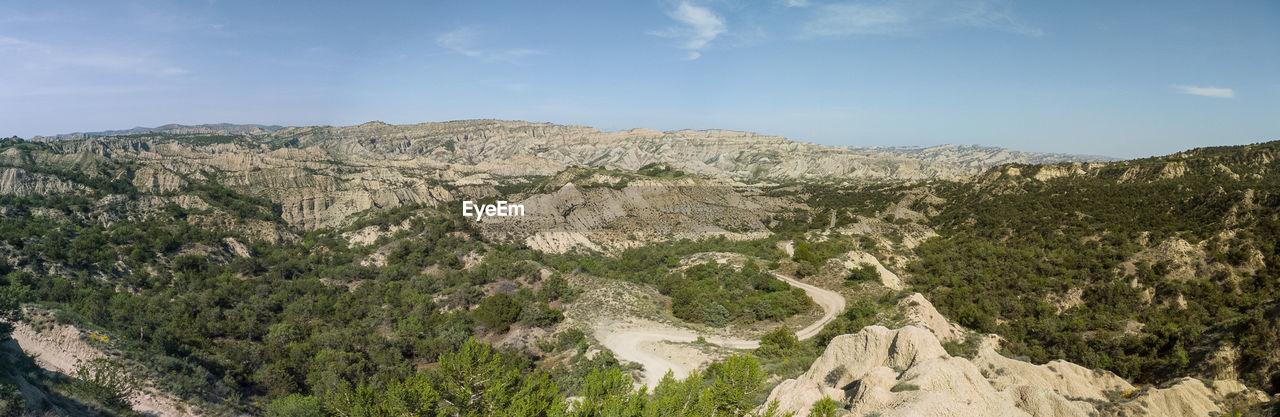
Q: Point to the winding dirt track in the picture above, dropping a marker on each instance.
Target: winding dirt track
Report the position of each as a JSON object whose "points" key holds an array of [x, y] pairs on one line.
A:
{"points": [[643, 341]]}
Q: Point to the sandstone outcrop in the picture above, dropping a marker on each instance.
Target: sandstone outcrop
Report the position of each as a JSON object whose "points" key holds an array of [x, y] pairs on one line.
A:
{"points": [[907, 372], [856, 259], [20, 183], [920, 312]]}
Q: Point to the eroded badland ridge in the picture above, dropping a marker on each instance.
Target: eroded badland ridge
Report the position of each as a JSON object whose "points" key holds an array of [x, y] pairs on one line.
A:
{"points": [[232, 266], [321, 175]]}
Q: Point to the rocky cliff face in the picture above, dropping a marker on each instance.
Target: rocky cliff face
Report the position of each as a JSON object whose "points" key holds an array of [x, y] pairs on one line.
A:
{"points": [[547, 147], [907, 372], [320, 176], [543, 148], [19, 182]]}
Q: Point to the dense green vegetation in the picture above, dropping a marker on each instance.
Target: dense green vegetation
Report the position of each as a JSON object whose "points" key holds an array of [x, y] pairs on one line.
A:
{"points": [[240, 205], [12, 293], [309, 322], [810, 256], [864, 273], [845, 200], [301, 317], [1003, 255], [854, 317], [479, 381], [657, 170], [650, 263], [310, 326], [717, 294], [741, 295], [780, 342]]}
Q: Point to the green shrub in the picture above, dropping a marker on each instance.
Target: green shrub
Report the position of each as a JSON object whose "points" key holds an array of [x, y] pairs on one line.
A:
{"points": [[854, 317], [965, 349], [497, 312], [11, 402], [568, 338], [826, 407], [865, 272], [778, 343], [540, 314], [105, 381], [295, 405], [716, 295]]}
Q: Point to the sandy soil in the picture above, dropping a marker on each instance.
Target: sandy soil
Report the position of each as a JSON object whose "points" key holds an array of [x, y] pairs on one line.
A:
{"points": [[61, 348], [831, 302], [649, 343]]}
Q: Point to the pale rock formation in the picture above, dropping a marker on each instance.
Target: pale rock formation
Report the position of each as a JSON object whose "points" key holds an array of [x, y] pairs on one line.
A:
{"points": [[1173, 170], [1189, 397], [855, 259], [592, 216], [236, 248], [1049, 172], [21, 183], [322, 175], [920, 312], [913, 234], [157, 180], [852, 357], [906, 372]]}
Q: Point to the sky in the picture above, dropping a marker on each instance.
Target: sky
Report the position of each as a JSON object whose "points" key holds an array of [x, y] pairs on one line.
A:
{"points": [[1124, 79]]}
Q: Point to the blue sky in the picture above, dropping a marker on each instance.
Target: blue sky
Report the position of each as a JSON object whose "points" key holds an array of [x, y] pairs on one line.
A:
{"points": [[1117, 78]]}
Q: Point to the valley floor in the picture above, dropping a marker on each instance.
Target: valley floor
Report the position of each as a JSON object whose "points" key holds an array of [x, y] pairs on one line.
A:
{"points": [[661, 348]]}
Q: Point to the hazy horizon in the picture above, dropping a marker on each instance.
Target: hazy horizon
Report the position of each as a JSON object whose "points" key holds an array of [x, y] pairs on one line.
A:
{"points": [[269, 125], [1096, 78]]}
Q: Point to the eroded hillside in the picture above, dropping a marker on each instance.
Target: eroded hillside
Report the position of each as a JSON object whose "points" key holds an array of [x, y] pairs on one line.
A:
{"points": [[313, 266]]}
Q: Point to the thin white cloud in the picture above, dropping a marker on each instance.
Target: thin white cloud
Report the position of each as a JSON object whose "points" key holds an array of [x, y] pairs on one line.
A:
{"points": [[76, 90], [1215, 92], [37, 56], [459, 41], [699, 26], [993, 15], [797, 3], [11, 42], [857, 19], [464, 40], [912, 16]]}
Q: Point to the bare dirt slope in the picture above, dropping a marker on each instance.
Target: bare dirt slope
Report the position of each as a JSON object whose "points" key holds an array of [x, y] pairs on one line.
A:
{"points": [[61, 348]]}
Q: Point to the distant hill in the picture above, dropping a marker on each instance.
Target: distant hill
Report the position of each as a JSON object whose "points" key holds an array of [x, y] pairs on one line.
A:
{"points": [[224, 128], [539, 146], [977, 156]]}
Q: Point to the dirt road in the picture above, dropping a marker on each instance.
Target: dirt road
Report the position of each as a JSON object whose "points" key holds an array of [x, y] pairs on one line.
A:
{"points": [[831, 302], [646, 342]]}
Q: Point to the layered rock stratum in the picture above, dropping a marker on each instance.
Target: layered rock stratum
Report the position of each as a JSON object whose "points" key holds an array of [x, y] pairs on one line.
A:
{"points": [[573, 179]]}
